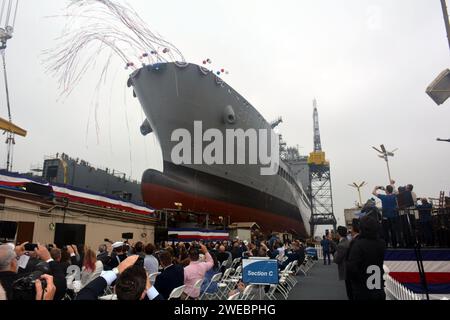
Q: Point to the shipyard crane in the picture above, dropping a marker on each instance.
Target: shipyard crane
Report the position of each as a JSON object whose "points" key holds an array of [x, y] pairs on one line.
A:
{"points": [[320, 189], [8, 15]]}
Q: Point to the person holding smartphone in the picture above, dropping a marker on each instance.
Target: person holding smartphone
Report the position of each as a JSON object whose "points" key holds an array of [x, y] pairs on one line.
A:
{"points": [[9, 255]]}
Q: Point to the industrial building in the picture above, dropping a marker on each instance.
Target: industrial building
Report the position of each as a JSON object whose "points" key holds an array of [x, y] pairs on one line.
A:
{"points": [[65, 216]]}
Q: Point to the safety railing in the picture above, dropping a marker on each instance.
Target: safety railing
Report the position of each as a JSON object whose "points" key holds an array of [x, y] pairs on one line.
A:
{"points": [[319, 251], [396, 291]]}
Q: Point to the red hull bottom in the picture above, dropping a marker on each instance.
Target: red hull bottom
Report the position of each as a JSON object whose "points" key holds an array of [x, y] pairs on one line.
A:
{"points": [[164, 198]]}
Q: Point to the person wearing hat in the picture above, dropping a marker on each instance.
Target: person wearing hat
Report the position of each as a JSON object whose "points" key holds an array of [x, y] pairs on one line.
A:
{"points": [[119, 254], [341, 251]]}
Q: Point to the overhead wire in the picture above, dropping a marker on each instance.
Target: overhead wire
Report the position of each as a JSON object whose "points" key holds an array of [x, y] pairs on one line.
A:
{"points": [[95, 29], [2, 11], [111, 26], [8, 12], [15, 14]]}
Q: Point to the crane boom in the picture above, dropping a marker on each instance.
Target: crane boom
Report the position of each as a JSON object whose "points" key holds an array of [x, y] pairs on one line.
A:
{"points": [[317, 142], [317, 156], [12, 128]]}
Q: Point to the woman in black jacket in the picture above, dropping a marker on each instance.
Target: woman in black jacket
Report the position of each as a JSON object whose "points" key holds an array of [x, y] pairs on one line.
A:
{"points": [[365, 262]]}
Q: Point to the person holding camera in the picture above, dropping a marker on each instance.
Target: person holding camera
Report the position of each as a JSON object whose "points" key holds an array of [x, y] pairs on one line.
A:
{"points": [[390, 217], [38, 286]]}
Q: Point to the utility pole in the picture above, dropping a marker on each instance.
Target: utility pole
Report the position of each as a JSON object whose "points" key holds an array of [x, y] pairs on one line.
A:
{"points": [[446, 20]]}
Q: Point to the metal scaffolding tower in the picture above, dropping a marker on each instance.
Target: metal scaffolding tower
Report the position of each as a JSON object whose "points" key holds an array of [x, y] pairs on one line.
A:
{"points": [[320, 188]]}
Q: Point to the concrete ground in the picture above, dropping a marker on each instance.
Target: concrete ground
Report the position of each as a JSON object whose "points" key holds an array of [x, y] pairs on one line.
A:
{"points": [[321, 283]]}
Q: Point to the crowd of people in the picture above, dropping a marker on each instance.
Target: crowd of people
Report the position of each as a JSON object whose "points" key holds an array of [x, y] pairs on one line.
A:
{"points": [[405, 218], [403, 221], [356, 252], [80, 273]]}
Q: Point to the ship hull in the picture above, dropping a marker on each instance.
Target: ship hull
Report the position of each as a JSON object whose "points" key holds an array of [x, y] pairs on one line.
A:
{"points": [[202, 192], [176, 97]]}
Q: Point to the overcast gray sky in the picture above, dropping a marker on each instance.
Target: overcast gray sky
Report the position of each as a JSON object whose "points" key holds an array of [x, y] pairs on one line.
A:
{"points": [[367, 62]]}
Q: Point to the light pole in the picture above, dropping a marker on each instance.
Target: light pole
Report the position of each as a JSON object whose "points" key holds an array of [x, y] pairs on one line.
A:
{"points": [[384, 154], [358, 187], [446, 20]]}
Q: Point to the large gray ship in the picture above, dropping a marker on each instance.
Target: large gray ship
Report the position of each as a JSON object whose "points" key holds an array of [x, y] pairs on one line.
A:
{"points": [[174, 96]]}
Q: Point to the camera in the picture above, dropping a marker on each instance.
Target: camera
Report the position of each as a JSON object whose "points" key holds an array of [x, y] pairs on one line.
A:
{"points": [[30, 246], [28, 282], [24, 288]]}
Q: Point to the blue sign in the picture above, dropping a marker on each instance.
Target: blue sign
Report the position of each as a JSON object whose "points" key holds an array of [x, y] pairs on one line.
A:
{"points": [[311, 251], [260, 271]]}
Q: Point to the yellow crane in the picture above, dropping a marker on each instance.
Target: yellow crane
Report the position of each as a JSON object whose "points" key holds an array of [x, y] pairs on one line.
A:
{"points": [[317, 157], [10, 127]]}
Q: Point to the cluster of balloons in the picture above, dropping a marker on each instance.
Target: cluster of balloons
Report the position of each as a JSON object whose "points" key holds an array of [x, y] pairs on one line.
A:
{"points": [[219, 72], [222, 71], [129, 64]]}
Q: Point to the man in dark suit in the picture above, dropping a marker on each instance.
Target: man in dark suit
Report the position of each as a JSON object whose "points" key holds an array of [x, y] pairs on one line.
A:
{"points": [[367, 251], [131, 283], [222, 256], [341, 251], [355, 237], [56, 269], [172, 276]]}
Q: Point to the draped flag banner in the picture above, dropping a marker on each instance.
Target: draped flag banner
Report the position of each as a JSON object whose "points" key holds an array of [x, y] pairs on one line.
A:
{"points": [[402, 264], [19, 182]]}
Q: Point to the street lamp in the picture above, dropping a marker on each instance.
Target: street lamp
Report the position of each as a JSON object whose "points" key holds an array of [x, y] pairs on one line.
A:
{"points": [[384, 154], [439, 89], [358, 187]]}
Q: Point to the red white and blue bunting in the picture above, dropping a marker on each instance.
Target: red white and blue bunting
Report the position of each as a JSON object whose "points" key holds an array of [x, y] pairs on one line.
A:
{"points": [[16, 181], [403, 267]]}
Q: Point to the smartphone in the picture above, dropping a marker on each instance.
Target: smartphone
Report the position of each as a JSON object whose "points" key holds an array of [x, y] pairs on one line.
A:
{"points": [[30, 246]]}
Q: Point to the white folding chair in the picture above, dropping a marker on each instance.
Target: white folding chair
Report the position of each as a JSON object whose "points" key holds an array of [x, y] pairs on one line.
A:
{"points": [[234, 296], [235, 263], [108, 297], [248, 292], [224, 285], [197, 286], [238, 271], [176, 293], [69, 281], [153, 276], [224, 264], [215, 279], [271, 293]]}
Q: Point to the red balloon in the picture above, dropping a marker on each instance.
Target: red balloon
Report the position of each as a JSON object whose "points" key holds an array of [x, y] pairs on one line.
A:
{"points": [[223, 70]]}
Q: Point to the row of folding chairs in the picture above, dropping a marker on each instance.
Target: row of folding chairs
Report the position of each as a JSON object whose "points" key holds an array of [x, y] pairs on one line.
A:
{"points": [[286, 282], [307, 264], [228, 281], [225, 282]]}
